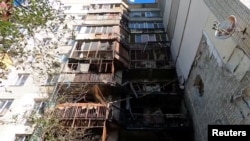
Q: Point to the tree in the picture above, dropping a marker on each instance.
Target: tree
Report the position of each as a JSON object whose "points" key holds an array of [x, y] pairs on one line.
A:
{"points": [[29, 16], [19, 35]]}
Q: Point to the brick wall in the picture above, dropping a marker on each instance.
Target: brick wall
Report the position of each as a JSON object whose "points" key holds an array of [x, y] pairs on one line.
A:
{"points": [[223, 8], [221, 102]]}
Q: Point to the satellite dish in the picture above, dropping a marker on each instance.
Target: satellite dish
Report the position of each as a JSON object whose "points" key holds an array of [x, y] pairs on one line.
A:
{"points": [[226, 28]]}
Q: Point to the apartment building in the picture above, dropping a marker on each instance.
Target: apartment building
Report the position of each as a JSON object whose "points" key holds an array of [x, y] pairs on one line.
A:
{"points": [[88, 79], [26, 81], [119, 81]]}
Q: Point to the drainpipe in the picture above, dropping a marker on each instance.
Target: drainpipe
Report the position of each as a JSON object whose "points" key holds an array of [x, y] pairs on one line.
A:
{"points": [[190, 1]]}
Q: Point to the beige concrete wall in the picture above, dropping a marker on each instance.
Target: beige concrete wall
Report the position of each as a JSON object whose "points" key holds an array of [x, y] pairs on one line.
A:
{"points": [[188, 31]]}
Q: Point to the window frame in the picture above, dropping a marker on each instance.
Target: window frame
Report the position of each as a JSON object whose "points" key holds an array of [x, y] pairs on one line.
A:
{"points": [[5, 106], [52, 79], [22, 137], [68, 7], [20, 76], [70, 42]]}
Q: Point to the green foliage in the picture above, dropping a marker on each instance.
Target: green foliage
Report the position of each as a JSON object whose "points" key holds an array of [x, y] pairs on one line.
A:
{"points": [[30, 16]]}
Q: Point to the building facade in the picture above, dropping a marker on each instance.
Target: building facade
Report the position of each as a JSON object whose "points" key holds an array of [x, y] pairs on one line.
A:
{"points": [[215, 71], [119, 81]]}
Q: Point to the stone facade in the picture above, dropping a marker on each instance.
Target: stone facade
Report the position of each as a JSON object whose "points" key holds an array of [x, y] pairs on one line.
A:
{"points": [[223, 8], [223, 100]]}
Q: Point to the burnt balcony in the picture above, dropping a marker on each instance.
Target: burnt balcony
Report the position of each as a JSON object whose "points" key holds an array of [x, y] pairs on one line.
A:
{"points": [[82, 115], [150, 56], [153, 112]]}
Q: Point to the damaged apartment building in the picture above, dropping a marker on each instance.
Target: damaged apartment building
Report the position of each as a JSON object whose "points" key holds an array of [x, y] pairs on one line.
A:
{"points": [[119, 81]]}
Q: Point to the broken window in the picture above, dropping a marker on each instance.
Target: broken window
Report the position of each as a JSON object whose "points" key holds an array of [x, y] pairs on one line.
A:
{"points": [[73, 64], [199, 86], [104, 45], [102, 67]]}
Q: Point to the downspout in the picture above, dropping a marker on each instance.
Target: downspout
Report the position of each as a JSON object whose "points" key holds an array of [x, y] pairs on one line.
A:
{"points": [[190, 1]]}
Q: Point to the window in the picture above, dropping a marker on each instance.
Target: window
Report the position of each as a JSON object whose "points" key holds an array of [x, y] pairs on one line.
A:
{"points": [[104, 45], [150, 25], [55, 28], [46, 41], [87, 29], [80, 17], [86, 45], [131, 25], [136, 14], [141, 25], [152, 37], [52, 79], [144, 38], [105, 6], [67, 7], [21, 79], [94, 46], [138, 39], [160, 25], [22, 137], [5, 105], [93, 29], [148, 14], [104, 30], [39, 107], [98, 29], [77, 27], [152, 14], [85, 8], [70, 42], [109, 29]]}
